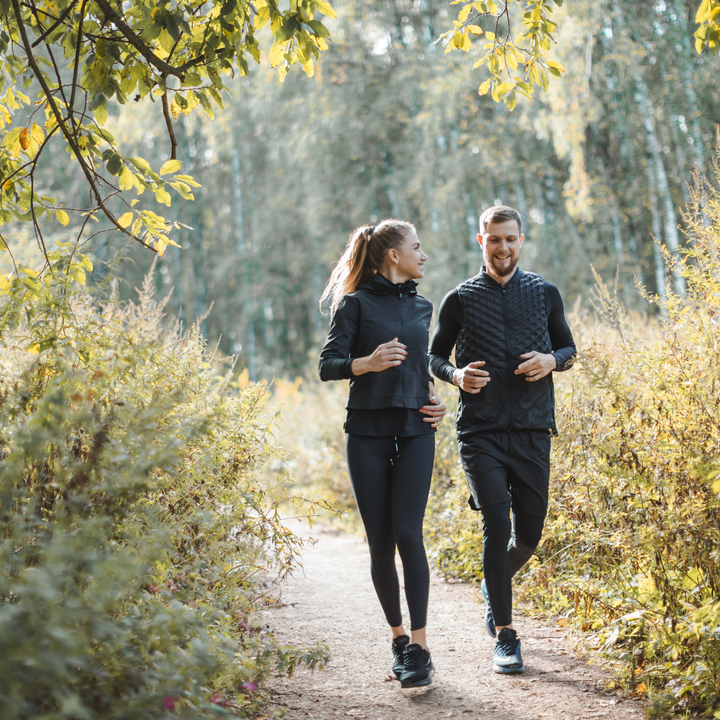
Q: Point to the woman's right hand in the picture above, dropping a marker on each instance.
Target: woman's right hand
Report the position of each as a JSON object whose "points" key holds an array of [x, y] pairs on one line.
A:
{"points": [[387, 355]]}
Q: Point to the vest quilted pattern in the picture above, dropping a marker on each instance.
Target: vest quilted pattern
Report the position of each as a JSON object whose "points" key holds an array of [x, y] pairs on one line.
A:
{"points": [[498, 326]]}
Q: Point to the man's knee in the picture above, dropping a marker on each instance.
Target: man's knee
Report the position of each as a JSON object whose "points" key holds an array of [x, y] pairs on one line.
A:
{"points": [[496, 521], [527, 530]]}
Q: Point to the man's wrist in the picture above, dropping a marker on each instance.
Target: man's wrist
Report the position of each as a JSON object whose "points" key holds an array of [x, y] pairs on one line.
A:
{"points": [[359, 366], [455, 379]]}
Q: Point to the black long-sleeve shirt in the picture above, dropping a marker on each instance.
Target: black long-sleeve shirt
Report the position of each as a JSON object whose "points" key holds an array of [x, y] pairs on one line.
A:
{"points": [[448, 328]]}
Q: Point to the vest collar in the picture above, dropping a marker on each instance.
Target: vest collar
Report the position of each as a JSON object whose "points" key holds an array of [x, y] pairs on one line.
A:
{"points": [[490, 282], [379, 285]]}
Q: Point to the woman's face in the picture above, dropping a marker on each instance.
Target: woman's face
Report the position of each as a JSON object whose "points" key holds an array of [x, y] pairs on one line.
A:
{"points": [[410, 258]]}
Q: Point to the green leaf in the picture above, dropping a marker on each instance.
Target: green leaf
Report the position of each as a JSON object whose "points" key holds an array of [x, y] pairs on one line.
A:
{"points": [[171, 166], [114, 164], [100, 111], [318, 28], [3, 246], [286, 31]]}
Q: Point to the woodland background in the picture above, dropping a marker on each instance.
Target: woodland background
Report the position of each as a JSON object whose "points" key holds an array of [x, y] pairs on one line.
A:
{"points": [[390, 126], [154, 407]]}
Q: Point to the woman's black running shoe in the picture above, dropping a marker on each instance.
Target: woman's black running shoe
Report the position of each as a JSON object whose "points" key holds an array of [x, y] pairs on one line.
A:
{"points": [[507, 657], [399, 644], [418, 667]]}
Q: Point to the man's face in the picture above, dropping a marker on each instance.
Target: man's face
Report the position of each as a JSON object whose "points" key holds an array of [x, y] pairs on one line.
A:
{"points": [[501, 245]]}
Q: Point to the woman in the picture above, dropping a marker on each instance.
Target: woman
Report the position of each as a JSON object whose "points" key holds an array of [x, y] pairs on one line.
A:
{"points": [[378, 340]]}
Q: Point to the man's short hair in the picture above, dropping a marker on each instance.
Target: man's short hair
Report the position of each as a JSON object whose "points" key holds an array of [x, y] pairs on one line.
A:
{"points": [[499, 213]]}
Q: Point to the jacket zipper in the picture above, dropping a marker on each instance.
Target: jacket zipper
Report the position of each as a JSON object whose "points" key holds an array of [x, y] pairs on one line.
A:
{"points": [[506, 330], [402, 335]]}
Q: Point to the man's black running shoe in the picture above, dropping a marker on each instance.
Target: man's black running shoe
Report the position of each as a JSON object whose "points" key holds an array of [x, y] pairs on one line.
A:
{"points": [[399, 644], [507, 657], [418, 667], [489, 619]]}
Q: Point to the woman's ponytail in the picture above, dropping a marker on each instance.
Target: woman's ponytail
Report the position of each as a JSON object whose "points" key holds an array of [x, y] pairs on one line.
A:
{"points": [[364, 254]]}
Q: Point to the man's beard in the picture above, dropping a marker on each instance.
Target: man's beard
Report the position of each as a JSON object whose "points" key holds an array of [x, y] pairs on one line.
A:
{"points": [[504, 270]]}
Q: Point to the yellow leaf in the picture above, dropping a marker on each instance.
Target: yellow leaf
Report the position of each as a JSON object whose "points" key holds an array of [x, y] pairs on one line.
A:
{"points": [[160, 246], [126, 179], [325, 8], [63, 217], [3, 246], [163, 196], [309, 68], [262, 18], [484, 88], [702, 14], [171, 166], [475, 29], [464, 13], [125, 219], [77, 273], [23, 138], [37, 132], [10, 100], [277, 53]]}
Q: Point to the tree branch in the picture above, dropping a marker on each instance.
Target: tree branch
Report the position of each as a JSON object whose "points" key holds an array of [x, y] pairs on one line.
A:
{"points": [[69, 137], [136, 41], [168, 122], [57, 22]]}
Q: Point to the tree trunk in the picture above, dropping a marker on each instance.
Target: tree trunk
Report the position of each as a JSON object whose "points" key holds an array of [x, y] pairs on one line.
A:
{"points": [[660, 269]]}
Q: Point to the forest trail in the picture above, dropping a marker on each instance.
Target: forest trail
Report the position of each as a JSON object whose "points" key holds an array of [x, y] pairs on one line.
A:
{"points": [[332, 600]]}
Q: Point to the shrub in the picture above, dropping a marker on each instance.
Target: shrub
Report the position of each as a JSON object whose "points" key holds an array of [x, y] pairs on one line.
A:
{"points": [[135, 537]]}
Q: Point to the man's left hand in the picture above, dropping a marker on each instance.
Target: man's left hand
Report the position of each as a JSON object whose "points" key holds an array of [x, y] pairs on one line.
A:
{"points": [[435, 411], [536, 366]]}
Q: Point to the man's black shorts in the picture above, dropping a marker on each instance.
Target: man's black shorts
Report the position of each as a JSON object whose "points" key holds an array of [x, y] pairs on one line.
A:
{"points": [[504, 466]]}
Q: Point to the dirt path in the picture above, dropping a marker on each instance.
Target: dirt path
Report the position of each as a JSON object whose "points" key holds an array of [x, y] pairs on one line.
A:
{"points": [[334, 602]]}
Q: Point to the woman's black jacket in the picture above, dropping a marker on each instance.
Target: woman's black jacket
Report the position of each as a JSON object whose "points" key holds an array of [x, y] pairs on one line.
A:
{"points": [[375, 313]]}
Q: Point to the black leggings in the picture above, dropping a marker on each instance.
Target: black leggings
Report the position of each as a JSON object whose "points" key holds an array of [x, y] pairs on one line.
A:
{"points": [[391, 481], [507, 546]]}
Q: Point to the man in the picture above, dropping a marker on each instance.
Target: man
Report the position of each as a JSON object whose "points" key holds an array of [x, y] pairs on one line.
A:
{"points": [[509, 331]]}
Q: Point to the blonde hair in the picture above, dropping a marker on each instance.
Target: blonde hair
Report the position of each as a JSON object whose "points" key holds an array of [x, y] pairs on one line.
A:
{"points": [[364, 254]]}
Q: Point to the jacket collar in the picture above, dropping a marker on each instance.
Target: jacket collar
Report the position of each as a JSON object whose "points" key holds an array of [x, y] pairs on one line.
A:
{"points": [[489, 281], [379, 285]]}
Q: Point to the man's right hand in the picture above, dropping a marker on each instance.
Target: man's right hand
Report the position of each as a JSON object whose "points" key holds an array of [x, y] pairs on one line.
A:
{"points": [[471, 378], [385, 356]]}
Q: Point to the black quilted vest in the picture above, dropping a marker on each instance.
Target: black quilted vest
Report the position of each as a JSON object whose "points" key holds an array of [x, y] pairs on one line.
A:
{"points": [[499, 324]]}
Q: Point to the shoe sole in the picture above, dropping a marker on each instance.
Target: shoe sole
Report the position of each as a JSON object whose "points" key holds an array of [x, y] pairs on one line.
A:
{"points": [[419, 683], [508, 671]]}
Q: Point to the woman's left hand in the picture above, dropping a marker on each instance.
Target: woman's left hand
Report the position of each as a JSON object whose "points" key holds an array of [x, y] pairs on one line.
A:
{"points": [[435, 411]]}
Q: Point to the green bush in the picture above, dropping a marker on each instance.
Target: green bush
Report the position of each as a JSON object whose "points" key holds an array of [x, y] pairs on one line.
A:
{"points": [[631, 550], [135, 538]]}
